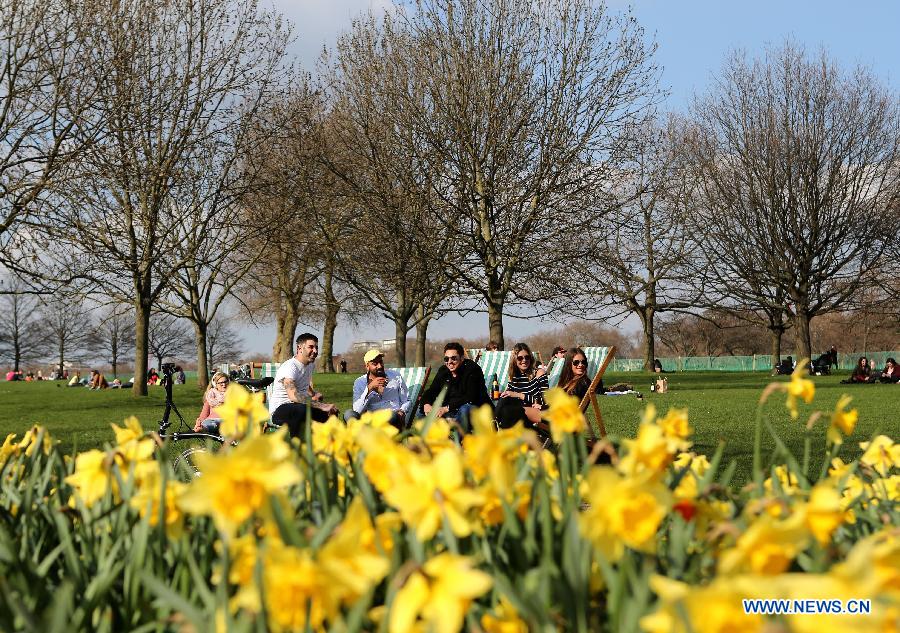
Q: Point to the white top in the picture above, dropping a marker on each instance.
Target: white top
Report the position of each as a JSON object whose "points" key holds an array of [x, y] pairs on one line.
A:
{"points": [[298, 372], [395, 396]]}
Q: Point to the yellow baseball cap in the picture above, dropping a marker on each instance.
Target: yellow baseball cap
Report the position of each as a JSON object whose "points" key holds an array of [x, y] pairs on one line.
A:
{"points": [[371, 355]]}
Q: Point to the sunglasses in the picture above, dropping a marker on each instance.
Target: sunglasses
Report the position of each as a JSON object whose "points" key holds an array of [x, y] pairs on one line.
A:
{"points": [[451, 359], [221, 383], [521, 358], [579, 363]]}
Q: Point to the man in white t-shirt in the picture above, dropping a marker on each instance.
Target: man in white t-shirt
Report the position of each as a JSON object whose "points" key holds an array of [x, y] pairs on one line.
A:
{"points": [[292, 393]]}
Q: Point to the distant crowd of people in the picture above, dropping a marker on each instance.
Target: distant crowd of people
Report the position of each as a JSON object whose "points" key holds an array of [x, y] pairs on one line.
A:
{"points": [[866, 373], [94, 381]]}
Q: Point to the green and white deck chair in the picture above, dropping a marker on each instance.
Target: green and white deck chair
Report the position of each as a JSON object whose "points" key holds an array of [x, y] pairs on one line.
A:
{"points": [[495, 363], [475, 353], [556, 367], [268, 370], [415, 379], [598, 358]]}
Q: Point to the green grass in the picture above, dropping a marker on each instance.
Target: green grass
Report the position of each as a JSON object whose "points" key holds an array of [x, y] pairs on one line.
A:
{"points": [[722, 407]]}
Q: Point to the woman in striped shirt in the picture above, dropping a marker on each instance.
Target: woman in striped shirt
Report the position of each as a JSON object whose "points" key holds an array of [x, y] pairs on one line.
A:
{"points": [[524, 395]]}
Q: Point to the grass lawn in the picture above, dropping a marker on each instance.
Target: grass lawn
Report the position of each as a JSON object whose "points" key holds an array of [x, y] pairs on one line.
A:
{"points": [[722, 407]]}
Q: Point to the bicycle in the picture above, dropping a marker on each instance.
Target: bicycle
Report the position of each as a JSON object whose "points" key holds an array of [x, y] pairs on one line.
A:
{"points": [[184, 443]]}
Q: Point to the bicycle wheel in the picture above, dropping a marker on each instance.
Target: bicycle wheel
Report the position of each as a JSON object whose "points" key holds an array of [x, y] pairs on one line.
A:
{"points": [[183, 452]]}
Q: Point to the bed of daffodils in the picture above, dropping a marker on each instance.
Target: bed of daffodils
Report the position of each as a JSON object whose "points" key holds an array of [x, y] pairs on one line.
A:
{"points": [[362, 528]]}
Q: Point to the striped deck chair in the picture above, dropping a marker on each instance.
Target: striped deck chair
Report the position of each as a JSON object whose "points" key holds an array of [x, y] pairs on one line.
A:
{"points": [[495, 363], [556, 367], [415, 379], [598, 359], [475, 353], [268, 370]]}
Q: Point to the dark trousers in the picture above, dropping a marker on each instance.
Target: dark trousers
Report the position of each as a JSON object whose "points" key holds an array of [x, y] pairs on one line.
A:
{"points": [[293, 414], [509, 411]]}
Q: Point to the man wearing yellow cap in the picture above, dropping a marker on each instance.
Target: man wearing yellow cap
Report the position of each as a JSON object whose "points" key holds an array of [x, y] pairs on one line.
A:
{"points": [[378, 389]]}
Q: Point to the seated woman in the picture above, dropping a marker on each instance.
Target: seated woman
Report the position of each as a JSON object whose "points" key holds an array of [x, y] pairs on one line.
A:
{"points": [[209, 419], [862, 372], [98, 381], [891, 372], [574, 378], [524, 395], [152, 377]]}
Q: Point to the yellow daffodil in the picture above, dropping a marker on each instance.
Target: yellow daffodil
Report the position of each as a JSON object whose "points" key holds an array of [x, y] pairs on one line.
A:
{"points": [[714, 608], [380, 420], [800, 387], [93, 476], [132, 447], [503, 619], [564, 414], [767, 547], [332, 440], [384, 459], [237, 484], [430, 491], [29, 441], [622, 512], [9, 448], [297, 592], [881, 454], [786, 479], [436, 598], [648, 455], [242, 412], [824, 513], [676, 429], [492, 454], [435, 439], [351, 556], [842, 422], [147, 501]]}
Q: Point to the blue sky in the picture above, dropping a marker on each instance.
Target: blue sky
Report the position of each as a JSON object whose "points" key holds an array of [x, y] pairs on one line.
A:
{"points": [[693, 39]]}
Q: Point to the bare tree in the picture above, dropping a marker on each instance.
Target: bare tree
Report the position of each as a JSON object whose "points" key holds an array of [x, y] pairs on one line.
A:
{"points": [[113, 337], [640, 261], [168, 337], [798, 164], [171, 77], [68, 327], [281, 217], [22, 337], [525, 118], [223, 342], [44, 95]]}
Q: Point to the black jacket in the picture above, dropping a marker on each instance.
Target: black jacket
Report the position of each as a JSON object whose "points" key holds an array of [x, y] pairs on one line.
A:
{"points": [[466, 388]]}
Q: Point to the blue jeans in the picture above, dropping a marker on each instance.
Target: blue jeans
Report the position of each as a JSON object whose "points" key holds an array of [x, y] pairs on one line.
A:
{"points": [[211, 425]]}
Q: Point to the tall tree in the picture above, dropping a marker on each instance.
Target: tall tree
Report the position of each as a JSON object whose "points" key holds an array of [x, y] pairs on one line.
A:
{"points": [[171, 76], [68, 327], [223, 343], [22, 337], [169, 337], [640, 260], [797, 163], [113, 337], [526, 115], [44, 96]]}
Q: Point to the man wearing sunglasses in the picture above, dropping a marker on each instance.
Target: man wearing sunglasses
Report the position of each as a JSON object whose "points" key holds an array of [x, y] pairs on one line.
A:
{"points": [[378, 389], [465, 386]]}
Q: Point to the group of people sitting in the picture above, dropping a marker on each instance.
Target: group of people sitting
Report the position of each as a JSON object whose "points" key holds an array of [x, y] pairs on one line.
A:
{"points": [[865, 372], [381, 388]]}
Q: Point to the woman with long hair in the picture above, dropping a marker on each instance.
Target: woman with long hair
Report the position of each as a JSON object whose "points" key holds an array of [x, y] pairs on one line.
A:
{"points": [[574, 378], [862, 372], [891, 372], [524, 395], [214, 397]]}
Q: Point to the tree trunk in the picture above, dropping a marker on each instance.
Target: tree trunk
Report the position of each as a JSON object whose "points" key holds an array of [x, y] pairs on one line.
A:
{"points": [[647, 317], [141, 346], [114, 349], [495, 322], [284, 334], [421, 336], [400, 330], [804, 347], [331, 314], [777, 333], [202, 355], [62, 354], [17, 352]]}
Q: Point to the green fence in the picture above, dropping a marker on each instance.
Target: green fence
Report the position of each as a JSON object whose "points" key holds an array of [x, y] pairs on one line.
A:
{"points": [[759, 362]]}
